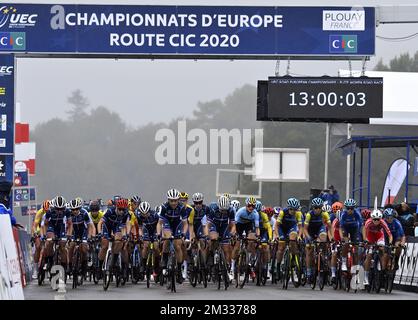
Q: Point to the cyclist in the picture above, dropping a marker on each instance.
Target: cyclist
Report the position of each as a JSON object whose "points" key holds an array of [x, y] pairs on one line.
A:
{"points": [[351, 226], [373, 235], [236, 205], [55, 226], [317, 222], [79, 228], [36, 230], [197, 230], [336, 209], [288, 227], [95, 214], [184, 199], [173, 219], [397, 231], [337, 239], [147, 222], [133, 204], [266, 233], [115, 222], [247, 220], [221, 225]]}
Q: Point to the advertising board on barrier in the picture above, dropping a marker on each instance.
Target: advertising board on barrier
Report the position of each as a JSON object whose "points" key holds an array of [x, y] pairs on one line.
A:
{"points": [[407, 275], [188, 31], [10, 275]]}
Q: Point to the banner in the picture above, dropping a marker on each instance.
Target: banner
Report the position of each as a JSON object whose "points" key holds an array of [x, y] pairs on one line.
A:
{"points": [[10, 281], [21, 179], [24, 194], [187, 31], [394, 180], [7, 72], [407, 275]]}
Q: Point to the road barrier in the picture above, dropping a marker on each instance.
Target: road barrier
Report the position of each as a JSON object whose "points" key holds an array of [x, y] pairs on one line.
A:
{"points": [[10, 267], [406, 277]]}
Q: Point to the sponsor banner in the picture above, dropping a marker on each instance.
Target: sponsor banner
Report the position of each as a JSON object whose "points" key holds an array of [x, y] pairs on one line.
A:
{"points": [[24, 194], [6, 102], [394, 180], [10, 275], [6, 167], [407, 274], [21, 179], [26, 247], [25, 210], [187, 31]]}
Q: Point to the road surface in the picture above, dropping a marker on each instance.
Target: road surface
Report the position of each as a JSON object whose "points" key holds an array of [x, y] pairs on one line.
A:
{"points": [[90, 291]]}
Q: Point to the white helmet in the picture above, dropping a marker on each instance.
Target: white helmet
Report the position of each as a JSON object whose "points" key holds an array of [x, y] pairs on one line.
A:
{"points": [[326, 208], [197, 197], [376, 214], [236, 204], [144, 207], [173, 194], [59, 202], [224, 203]]}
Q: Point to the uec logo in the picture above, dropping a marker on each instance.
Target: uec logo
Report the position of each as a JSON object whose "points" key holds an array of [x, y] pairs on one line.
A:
{"points": [[8, 14], [342, 43]]}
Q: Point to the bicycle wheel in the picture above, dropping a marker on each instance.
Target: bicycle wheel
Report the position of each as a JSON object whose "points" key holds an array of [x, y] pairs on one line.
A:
{"points": [[224, 270], [41, 272], [259, 268], [203, 270], [107, 274], [314, 274], [286, 267], [295, 271], [242, 270], [377, 276], [75, 271], [390, 277]]}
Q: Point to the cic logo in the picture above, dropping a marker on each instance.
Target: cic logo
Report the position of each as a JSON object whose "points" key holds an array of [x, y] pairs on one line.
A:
{"points": [[12, 41], [342, 43]]}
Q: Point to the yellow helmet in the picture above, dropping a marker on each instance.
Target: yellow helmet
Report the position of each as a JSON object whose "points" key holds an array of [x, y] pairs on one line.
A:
{"points": [[226, 194], [184, 195], [251, 201]]}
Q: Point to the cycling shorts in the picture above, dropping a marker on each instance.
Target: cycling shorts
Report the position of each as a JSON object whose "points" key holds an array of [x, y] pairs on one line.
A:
{"points": [[285, 232], [222, 230]]}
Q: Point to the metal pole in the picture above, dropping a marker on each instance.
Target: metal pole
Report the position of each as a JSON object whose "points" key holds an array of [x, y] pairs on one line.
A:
{"points": [[407, 165], [354, 175], [280, 193], [347, 182], [361, 177], [326, 156], [369, 174]]}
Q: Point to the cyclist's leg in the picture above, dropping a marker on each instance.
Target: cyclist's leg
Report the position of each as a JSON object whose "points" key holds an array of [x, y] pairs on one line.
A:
{"points": [[283, 234], [310, 252], [49, 244], [293, 235], [344, 252], [398, 250], [37, 250]]}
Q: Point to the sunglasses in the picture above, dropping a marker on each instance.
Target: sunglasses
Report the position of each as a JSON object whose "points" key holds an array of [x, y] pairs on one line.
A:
{"points": [[350, 208], [198, 202], [75, 209], [377, 219], [173, 200], [317, 208], [250, 205]]}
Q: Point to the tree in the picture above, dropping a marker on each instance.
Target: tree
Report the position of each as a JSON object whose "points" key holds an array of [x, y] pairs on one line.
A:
{"points": [[80, 105], [403, 63]]}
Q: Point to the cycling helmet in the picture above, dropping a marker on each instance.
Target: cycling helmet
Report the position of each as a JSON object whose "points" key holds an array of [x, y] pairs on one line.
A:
{"points": [[224, 203], [94, 206], [326, 208], [144, 207], [293, 203], [376, 214], [365, 213], [250, 201], [317, 202], [226, 194], [337, 206], [59, 202], [45, 205], [258, 205], [350, 203], [269, 211], [236, 204], [122, 203], [75, 204], [213, 206], [389, 212], [197, 197], [136, 199], [173, 194], [277, 210], [184, 195]]}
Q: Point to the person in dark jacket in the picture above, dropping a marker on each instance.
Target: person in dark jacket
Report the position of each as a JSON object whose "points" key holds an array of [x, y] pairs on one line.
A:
{"points": [[330, 195], [406, 217]]}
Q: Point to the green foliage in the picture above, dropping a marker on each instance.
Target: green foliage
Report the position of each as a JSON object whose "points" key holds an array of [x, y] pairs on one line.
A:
{"points": [[403, 63]]}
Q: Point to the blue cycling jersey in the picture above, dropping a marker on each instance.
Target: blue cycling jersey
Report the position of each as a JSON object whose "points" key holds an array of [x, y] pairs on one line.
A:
{"points": [[243, 216], [348, 221], [178, 213], [4, 210], [220, 218], [80, 223], [396, 229], [112, 219]]}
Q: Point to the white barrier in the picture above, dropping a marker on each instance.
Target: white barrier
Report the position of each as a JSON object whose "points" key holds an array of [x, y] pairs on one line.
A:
{"points": [[407, 275], [10, 278]]}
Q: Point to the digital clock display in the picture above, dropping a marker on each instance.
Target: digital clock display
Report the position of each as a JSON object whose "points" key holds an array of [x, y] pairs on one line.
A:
{"points": [[310, 99]]}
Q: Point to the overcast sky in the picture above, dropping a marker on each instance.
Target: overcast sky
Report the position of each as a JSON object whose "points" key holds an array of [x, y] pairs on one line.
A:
{"points": [[127, 86]]}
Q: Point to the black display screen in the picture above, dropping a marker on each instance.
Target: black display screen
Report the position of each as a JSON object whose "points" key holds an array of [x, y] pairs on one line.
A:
{"points": [[325, 99]]}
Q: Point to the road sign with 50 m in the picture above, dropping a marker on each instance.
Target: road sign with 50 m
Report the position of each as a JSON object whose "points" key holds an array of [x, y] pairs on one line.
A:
{"points": [[24, 194]]}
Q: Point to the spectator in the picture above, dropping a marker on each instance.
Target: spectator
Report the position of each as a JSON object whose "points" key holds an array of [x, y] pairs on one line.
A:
{"points": [[406, 217], [330, 195], [5, 188]]}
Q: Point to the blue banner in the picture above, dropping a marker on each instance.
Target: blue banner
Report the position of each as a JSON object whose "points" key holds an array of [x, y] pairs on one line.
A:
{"points": [[6, 104], [187, 31], [24, 194]]}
